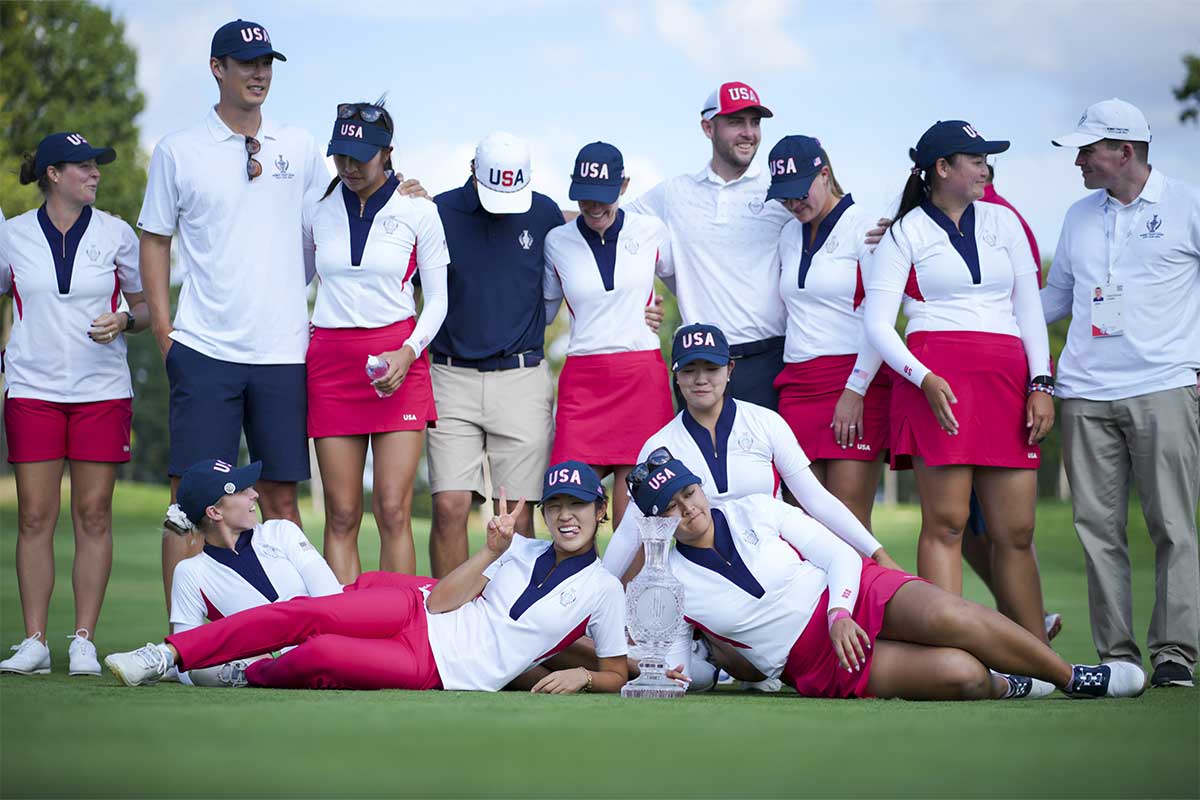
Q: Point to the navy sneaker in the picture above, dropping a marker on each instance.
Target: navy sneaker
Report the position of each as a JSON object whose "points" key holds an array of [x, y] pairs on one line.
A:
{"points": [[1114, 679], [1171, 673]]}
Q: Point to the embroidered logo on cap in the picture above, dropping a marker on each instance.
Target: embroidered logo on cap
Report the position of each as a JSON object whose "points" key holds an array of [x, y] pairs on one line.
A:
{"points": [[230, 488]]}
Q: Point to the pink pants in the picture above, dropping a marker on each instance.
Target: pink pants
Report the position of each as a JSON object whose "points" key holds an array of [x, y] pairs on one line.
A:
{"points": [[372, 636]]}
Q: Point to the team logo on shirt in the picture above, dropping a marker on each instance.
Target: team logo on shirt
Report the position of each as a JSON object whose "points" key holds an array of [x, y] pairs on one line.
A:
{"points": [[281, 166], [567, 597], [631, 248], [390, 224], [831, 244], [989, 236], [756, 206], [525, 240], [746, 442], [750, 536], [268, 550], [93, 252], [1152, 228]]}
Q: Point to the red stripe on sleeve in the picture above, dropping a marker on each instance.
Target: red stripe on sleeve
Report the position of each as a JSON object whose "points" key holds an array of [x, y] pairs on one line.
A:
{"points": [[575, 633], [860, 291], [912, 288], [116, 295], [16, 294], [412, 265]]}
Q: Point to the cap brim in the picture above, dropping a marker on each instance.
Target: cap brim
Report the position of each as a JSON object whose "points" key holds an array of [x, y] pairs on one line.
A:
{"points": [[251, 53], [517, 202], [662, 497], [796, 187], [359, 151], [1076, 139], [577, 492], [595, 191], [986, 148], [714, 112], [247, 476], [712, 358]]}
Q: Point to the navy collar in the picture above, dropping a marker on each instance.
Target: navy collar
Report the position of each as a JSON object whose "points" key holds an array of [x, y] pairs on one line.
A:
{"points": [[962, 236], [714, 457], [360, 225], [244, 561], [604, 249], [823, 230], [64, 246], [470, 196], [723, 557], [547, 575]]}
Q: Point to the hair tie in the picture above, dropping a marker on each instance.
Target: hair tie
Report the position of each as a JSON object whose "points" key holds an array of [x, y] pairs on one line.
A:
{"points": [[916, 170], [178, 518]]}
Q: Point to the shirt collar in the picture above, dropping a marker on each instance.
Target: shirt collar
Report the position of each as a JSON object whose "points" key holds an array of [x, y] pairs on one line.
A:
{"points": [[1151, 193], [470, 196], [707, 174], [610, 235], [220, 131]]}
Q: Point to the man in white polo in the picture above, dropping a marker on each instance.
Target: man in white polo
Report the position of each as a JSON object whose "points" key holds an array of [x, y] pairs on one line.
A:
{"points": [[724, 242], [1127, 270], [231, 187]]}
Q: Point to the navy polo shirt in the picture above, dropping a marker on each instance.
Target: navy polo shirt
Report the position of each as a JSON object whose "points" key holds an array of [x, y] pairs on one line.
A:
{"points": [[495, 276]]}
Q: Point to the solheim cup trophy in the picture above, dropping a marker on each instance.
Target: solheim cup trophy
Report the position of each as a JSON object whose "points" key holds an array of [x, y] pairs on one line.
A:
{"points": [[654, 609]]}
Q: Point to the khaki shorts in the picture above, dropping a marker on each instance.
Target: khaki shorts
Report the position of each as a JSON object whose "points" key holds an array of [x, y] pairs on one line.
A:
{"points": [[506, 415]]}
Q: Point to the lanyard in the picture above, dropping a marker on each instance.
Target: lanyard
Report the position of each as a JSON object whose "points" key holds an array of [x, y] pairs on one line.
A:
{"points": [[1110, 232]]}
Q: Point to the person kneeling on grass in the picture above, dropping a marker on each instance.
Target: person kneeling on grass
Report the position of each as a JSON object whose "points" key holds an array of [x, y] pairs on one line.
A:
{"points": [[773, 586], [510, 607]]}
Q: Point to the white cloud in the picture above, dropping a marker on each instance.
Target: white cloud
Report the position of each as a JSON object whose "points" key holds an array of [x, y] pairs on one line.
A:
{"points": [[734, 35]]}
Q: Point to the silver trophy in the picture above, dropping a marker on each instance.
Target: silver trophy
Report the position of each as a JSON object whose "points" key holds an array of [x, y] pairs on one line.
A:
{"points": [[654, 609]]}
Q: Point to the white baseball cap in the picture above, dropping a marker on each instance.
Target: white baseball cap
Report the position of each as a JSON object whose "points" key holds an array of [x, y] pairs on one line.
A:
{"points": [[1108, 119], [502, 174]]}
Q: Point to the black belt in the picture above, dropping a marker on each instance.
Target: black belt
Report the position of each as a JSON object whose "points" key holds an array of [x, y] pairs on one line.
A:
{"points": [[528, 359], [746, 349]]}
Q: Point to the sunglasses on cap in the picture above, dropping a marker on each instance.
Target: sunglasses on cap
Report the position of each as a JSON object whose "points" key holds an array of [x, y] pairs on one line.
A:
{"points": [[639, 473], [367, 112]]}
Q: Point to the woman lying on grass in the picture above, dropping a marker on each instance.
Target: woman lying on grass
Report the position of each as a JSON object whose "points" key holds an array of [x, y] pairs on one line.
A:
{"points": [[510, 607]]}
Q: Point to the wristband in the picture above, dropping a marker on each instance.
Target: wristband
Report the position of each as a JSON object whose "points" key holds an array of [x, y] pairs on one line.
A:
{"points": [[841, 613]]}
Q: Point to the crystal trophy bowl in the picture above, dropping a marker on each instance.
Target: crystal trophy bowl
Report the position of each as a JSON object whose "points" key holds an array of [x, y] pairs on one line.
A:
{"points": [[654, 612]]}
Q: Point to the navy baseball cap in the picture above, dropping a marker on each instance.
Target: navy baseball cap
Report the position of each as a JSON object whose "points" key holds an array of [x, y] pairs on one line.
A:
{"points": [[654, 494], [71, 148], [244, 41], [699, 342], [358, 139], [573, 478], [946, 138], [204, 484], [599, 173], [795, 161]]}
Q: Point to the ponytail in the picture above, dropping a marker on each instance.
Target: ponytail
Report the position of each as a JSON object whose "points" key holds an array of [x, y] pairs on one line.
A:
{"points": [[28, 173], [917, 188]]}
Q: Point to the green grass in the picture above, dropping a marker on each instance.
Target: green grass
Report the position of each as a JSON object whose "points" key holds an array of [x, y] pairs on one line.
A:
{"points": [[63, 736]]}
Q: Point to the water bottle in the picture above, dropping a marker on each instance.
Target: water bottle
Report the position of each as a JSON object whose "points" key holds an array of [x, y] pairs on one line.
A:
{"points": [[376, 368]]}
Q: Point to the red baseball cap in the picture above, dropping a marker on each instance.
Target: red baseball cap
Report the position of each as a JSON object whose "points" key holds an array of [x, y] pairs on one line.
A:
{"points": [[730, 98]]}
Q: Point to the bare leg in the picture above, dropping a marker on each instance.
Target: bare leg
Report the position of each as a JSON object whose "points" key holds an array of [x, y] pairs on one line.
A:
{"points": [[919, 672], [945, 503], [854, 483], [38, 486], [921, 613], [396, 457], [176, 548], [91, 510], [1008, 497], [279, 500], [341, 460], [448, 531], [977, 550]]}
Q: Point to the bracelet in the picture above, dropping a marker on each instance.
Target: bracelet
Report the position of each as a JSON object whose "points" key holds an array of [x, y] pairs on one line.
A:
{"points": [[841, 613], [587, 672], [1041, 387]]}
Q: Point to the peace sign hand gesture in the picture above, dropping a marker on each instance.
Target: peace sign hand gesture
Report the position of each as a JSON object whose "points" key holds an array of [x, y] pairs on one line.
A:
{"points": [[500, 529]]}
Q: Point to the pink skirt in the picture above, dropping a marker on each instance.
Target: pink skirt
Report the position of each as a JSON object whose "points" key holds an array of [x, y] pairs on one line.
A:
{"points": [[812, 667], [341, 399], [808, 394], [990, 378], [609, 405]]}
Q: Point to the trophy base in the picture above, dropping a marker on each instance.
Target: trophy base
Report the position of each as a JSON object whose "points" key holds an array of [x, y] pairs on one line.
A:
{"points": [[652, 686]]}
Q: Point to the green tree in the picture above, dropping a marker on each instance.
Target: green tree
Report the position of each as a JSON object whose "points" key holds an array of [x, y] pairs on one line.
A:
{"points": [[1188, 92], [65, 66]]}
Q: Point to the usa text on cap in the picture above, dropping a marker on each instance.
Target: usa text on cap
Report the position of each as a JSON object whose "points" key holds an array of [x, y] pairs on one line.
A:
{"points": [[204, 484], [502, 174], [795, 162], [244, 41], [730, 98], [357, 138], [573, 478], [599, 173], [654, 494], [699, 342], [1108, 119], [70, 148], [945, 138]]}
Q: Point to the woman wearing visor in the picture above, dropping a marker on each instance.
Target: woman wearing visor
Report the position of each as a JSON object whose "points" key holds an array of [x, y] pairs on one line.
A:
{"points": [[612, 392], [68, 394], [831, 390], [976, 394], [785, 597], [366, 241]]}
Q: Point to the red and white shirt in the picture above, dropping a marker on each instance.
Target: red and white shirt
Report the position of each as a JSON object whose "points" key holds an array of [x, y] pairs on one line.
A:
{"points": [[607, 281], [60, 283]]}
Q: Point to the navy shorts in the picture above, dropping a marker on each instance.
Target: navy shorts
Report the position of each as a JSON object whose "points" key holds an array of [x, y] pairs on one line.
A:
{"points": [[213, 400]]}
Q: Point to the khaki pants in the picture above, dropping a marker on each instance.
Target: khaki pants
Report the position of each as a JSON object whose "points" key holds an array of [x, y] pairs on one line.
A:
{"points": [[1155, 440]]}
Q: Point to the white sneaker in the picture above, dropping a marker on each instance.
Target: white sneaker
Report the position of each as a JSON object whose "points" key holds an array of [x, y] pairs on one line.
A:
{"points": [[1053, 623], [141, 667], [32, 658], [83, 654], [1109, 679]]}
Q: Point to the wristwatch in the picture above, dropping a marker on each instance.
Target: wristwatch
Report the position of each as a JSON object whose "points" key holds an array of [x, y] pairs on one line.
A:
{"points": [[129, 321]]}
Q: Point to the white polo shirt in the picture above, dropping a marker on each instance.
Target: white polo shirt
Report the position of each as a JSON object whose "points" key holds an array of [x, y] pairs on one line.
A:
{"points": [[529, 610], [758, 586], [606, 280], [1152, 248], [823, 290], [243, 297], [723, 253], [59, 285], [366, 259]]}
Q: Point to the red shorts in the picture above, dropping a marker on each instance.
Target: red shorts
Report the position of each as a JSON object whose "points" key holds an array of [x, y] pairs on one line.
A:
{"points": [[609, 405], [43, 430], [341, 399], [990, 378], [808, 393], [812, 668]]}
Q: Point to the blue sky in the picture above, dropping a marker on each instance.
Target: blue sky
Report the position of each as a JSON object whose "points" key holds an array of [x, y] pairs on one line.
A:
{"points": [[866, 78]]}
